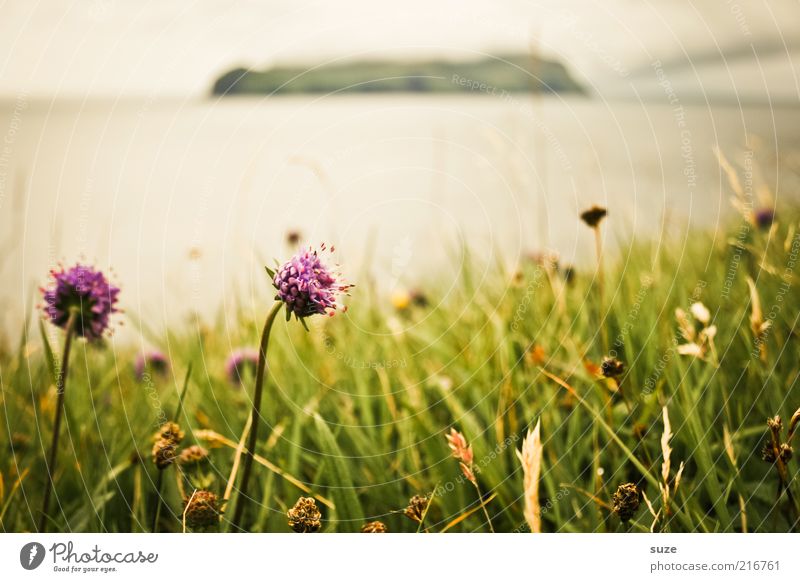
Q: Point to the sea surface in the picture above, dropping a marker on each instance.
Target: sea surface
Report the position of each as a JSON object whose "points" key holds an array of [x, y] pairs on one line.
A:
{"points": [[187, 200]]}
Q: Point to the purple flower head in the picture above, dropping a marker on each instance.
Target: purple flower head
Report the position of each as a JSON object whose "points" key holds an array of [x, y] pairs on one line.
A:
{"points": [[239, 362], [307, 286], [154, 360], [85, 291], [765, 217]]}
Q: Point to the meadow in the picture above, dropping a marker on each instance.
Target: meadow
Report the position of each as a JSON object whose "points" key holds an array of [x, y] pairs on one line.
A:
{"points": [[653, 382]]}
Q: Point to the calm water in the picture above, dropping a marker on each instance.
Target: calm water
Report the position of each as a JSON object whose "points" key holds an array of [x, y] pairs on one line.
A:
{"points": [[187, 200]]}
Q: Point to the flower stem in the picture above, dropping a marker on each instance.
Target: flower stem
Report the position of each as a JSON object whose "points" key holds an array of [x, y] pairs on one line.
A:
{"points": [[157, 512], [61, 384], [251, 442], [598, 245], [483, 505]]}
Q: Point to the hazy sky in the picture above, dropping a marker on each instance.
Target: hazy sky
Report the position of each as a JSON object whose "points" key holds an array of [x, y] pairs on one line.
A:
{"points": [[82, 48]]}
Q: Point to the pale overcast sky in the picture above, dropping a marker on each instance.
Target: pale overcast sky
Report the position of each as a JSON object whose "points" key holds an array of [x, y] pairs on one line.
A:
{"points": [[87, 48]]}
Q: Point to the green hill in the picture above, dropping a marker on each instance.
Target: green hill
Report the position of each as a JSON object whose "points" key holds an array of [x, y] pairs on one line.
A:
{"points": [[518, 73]]}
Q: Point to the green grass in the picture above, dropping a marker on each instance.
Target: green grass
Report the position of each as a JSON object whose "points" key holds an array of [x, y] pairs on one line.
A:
{"points": [[357, 407]]}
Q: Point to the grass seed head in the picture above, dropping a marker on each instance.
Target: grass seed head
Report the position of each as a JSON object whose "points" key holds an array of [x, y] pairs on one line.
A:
{"points": [[154, 361]]}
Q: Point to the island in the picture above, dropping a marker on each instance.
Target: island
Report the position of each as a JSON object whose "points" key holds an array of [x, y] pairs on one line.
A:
{"points": [[495, 75]]}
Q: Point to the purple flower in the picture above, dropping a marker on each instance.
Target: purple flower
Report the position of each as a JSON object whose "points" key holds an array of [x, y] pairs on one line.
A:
{"points": [[85, 291], [765, 217], [307, 286], [155, 360], [239, 362]]}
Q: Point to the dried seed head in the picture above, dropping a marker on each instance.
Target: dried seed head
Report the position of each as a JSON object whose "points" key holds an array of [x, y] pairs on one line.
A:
{"points": [[304, 517], [612, 368], [374, 527], [170, 431], [164, 453], [593, 216], [202, 510], [417, 506], [193, 455], [768, 452], [626, 501], [786, 452]]}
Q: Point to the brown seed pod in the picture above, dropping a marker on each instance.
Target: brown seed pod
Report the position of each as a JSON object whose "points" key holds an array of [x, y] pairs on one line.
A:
{"points": [[626, 501], [374, 527], [305, 516], [202, 510]]}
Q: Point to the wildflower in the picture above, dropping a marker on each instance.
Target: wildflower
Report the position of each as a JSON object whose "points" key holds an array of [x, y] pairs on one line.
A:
{"points": [[418, 298], [155, 361], [304, 517], [374, 527], [401, 300], [193, 455], [612, 368], [536, 355], [293, 238], [201, 510], [764, 218], [307, 286], [593, 216], [87, 293], [417, 506], [240, 362], [626, 501], [81, 301]]}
